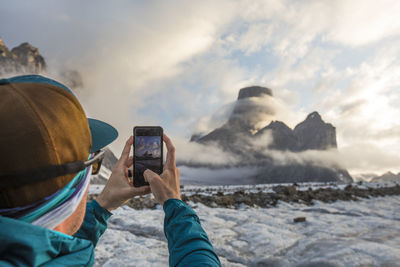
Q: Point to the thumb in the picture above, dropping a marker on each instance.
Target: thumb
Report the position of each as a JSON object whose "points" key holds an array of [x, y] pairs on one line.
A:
{"points": [[151, 177], [135, 191]]}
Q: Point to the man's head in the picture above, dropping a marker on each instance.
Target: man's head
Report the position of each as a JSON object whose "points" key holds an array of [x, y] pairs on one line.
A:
{"points": [[43, 124]]}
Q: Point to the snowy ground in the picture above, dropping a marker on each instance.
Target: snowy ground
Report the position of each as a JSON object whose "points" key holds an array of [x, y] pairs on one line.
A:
{"points": [[362, 233]]}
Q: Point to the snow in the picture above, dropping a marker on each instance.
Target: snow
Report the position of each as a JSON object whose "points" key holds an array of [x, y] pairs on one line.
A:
{"points": [[95, 189], [361, 233]]}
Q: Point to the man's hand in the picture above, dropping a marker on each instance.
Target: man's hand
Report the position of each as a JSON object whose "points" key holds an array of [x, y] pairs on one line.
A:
{"points": [[166, 185], [119, 189]]}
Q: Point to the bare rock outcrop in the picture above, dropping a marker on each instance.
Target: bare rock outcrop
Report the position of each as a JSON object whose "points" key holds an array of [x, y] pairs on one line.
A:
{"points": [[24, 58], [239, 134]]}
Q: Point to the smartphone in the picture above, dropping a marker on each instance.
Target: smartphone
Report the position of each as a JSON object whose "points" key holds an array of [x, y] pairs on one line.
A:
{"points": [[147, 152]]}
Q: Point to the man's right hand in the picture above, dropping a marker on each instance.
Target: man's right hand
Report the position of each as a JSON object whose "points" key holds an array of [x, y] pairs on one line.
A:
{"points": [[166, 185]]}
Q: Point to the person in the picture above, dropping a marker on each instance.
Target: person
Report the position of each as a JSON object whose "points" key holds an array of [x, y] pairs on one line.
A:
{"points": [[49, 149]]}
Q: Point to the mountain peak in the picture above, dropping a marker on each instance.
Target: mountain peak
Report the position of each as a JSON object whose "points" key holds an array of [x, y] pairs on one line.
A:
{"points": [[314, 116], [24, 58], [314, 133], [24, 49], [276, 124], [254, 91]]}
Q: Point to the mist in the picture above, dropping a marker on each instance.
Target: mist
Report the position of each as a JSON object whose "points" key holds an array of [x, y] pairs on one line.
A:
{"points": [[180, 64]]}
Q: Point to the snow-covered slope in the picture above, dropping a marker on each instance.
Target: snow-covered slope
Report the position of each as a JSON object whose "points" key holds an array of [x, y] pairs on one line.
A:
{"points": [[362, 233]]}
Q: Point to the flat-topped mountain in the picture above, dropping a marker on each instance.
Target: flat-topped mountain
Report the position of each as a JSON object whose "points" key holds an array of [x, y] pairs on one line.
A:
{"points": [[254, 91], [312, 133], [240, 136]]}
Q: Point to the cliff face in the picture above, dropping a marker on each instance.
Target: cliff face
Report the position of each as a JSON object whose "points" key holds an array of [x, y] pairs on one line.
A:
{"points": [[238, 136], [314, 133], [21, 59], [283, 137], [387, 177], [26, 59], [247, 112]]}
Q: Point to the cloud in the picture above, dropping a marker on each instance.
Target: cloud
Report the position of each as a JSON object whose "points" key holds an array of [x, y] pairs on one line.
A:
{"points": [[208, 176], [180, 64], [198, 154], [357, 23]]}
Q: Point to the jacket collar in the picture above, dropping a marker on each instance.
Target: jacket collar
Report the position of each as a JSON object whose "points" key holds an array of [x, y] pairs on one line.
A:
{"points": [[26, 244]]}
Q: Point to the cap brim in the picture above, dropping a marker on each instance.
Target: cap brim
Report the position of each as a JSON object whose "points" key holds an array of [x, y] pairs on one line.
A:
{"points": [[102, 134]]}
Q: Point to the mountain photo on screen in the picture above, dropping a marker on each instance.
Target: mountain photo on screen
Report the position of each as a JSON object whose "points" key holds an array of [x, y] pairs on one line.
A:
{"points": [[148, 153]]}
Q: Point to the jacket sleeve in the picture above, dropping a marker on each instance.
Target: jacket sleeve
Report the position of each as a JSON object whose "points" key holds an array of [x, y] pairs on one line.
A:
{"points": [[188, 243], [95, 222]]}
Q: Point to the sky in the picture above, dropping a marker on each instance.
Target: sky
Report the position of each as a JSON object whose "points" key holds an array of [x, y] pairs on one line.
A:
{"points": [[180, 64]]}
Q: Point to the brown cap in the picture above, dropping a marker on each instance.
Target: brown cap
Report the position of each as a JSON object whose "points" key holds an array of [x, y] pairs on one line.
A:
{"points": [[41, 125]]}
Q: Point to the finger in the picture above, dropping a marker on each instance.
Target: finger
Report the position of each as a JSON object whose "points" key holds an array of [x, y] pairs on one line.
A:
{"points": [[170, 161], [135, 191], [155, 181], [125, 152], [130, 162], [128, 175], [151, 177]]}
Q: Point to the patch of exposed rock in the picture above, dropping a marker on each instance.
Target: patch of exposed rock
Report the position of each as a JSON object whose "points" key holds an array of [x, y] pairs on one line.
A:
{"points": [[387, 177], [270, 199], [240, 137], [24, 58]]}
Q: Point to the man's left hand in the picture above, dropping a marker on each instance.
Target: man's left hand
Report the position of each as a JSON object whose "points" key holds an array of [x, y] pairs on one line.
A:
{"points": [[119, 188]]}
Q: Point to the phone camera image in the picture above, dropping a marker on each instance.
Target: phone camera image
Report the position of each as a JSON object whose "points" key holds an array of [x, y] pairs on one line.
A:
{"points": [[147, 155]]}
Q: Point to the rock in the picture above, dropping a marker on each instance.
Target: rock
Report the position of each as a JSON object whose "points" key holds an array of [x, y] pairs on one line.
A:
{"points": [[240, 137], [292, 190], [314, 133], [30, 58], [195, 137], [109, 161], [254, 91], [387, 177], [249, 108], [24, 58], [299, 219], [285, 190], [283, 136], [72, 78], [240, 199]]}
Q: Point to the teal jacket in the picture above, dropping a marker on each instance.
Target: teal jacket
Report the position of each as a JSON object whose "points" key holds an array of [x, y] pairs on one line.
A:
{"points": [[24, 244]]}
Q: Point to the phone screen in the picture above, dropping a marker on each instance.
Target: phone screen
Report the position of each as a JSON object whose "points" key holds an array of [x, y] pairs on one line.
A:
{"points": [[147, 152]]}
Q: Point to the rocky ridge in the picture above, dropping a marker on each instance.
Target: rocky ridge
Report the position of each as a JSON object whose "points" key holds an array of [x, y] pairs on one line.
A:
{"points": [[290, 194], [387, 177], [106, 167], [312, 133], [239, 133], [26, 59]]}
